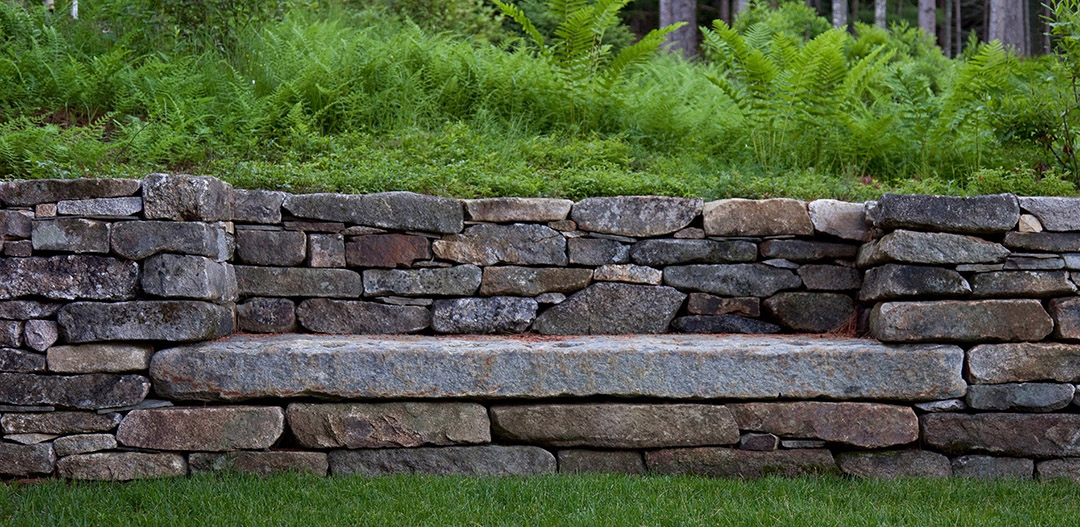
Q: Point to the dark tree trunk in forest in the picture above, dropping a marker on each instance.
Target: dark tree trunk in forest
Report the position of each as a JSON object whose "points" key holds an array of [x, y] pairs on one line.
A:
{"points": [[725, 11], [1007, 23], [880, 7], [685, 39], [946, 40], [839, 13]]}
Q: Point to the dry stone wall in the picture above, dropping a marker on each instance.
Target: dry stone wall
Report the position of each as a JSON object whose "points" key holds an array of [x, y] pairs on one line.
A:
{"points": [[176, 325]]}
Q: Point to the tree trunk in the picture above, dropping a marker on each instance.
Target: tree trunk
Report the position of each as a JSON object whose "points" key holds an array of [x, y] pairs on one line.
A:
{"points": [[741, 5], [946, 39], [928, 17], [959, 33], [725, 11], [839, 13], [75, 9], [880, 7], [1007, 24], [855, 11], [684, 39]]}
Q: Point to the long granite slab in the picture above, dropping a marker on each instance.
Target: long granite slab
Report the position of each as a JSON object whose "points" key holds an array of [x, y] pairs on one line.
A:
{"points": [[664, 366]]}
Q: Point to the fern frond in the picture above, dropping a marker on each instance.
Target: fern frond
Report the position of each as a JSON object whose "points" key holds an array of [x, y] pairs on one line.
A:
{"points": [[519, 16], [634, 54]]}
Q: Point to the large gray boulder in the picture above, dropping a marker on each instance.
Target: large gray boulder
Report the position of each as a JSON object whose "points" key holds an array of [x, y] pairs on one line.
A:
{"points": [[187, 276], [639, 216], [202, 429], [732, 279], [186, 198], [934, 248], [960, 321], [170, 320], [323, 315], [257, 206], [975, 215], [517, 244], [136, 240], [387, 425], [612, 308], [68, 277], [488, 460]]}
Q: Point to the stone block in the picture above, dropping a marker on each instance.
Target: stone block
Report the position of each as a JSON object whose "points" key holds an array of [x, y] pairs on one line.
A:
{"points": [[721, 324], [322, 315], [68, 277], [807, 250], [759, 442], [581, 461], [136, 240], [186, 198], [1034, 262], [1066, 313], [61, 423], [83, 444], [612, 308], [895, 464], [732, 279], [122, 466], [15, 224], [388, 425], [100, 358], [596, 251], [461, 280], [11, 333], [76, 235], [1029, 223], [865, 425], [27, 309], [267, 315], [326, 250], [517, 244], [1010, 434], [766, 217], [26, 460], [1068, 468], [19, 361], [960, 321], [705, 304], [387, 250], [1021, 397], [34, 191], [38, 335], [510, 210], [1054, 213], [100, 207], [638, 216], [260, 463], [898, 281], [488, 460], [812, 312], [209, 429], [257, 206], [532, 281], [662, 252], [17, 248], [990, 467], [944, 405], [278, 248], [1053, 242], [1039, 284], [187, 276], [742, 464], [932, 248], [975, 215], [830, 277], [839, 218], [629, 273], [499, 314], [78, 391], [389, 210], [1024, 362], [298, 281], [170, 320]]}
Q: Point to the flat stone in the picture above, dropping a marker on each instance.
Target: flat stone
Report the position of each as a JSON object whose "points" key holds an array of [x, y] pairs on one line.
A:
{"points": [[27, 309], [977, 214], [170, 320], [204, 429], [26, 460], [801, 443], [461, 280], [1054, 213], [45, 210], [839, 218], [326, 250], [19, 361], [488, 460], [759, 442], [388, 425], [944, 405], [387, 250], [812, 312], [867, 425], [298, 281], [76, 235], [504, 244], [990, 467], [83, 444], [510, 210], [187, 276], [186, 198], [68, 277], [18, 248], [1027, 284], [38, 335], [280, 248], [895, 464], [77, 391], [1054, 242], [29, 439], [1021, 397], [1036, 261], [136, 240], [100, 207], [406, 301], [567, 227], [781, 263], [629, 273], [1035, 435], [23, 409], [960, 321], [59, 423], [1066, 313], [669, 366], [731, 279], [742, 464], [404, 211], [550, 298], [15, 224], [722, 324], [661, 252], [1024, 362], [500, 314], [326, 206], [934, 248], [898, 281], [1068, 468], [596, 251], [615, 425], [103, 358], [612, 308], [706, 304], [122, 466], [11, 333], [260, 463], [257, 206], [807, 251], [322, 315], [1029, 223], [326, 227], [830, 277], [690, 233], [639, 216], [532, 281], [582, 461], [766, 217], [267, 315], [31, 192]]}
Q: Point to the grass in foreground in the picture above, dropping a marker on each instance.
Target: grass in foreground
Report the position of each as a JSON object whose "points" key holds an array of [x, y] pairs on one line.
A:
{"points": [[554, 500]]}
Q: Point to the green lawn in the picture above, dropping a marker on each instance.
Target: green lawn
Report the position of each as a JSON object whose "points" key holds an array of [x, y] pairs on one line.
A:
{"points": [[553, 500]]}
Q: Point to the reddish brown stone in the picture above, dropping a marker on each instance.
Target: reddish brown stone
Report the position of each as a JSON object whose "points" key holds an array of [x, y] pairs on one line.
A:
{"points": [[1025, 435], [706, 304], [867, 425], [386, 250]]}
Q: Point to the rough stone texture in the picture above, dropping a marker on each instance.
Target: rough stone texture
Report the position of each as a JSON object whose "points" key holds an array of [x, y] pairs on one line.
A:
{"points": [[615, 425], [171, 320], [45, 210], [509, 210], [78, 391], [1035, 261], [641, 216], [868, 425], [202, 429], [732, 279], [1055, 214], [34, 191], [1029, 223], [629, 273], [1024, 362], [488, 460], [767, 217], [944, 405], [59, 422], [612, 308], [722, 324], [261, 463], [1039, 284], [321, 315], [267, 315], [26, 460], [1022, 397], [507, 244], [500, 314], [812, 312], [387, 425], [670, 366], [15, 224], [532, 281], [186, 198], [759, 442], [386, 250], [122, 466], [38, 335], [1059, 469], [326, 250], [27, 309], [661, 252], [807, 250], [74, 235], [581, 461], [280, 248], [934, 248], [1066, 312], [18, 248], [897, 281], [989, 467], [1035, 435], [325, 206], [11, 333], [100, 358], [839, 218], [298, 281], [597, 251], [257, 206], [68, 277], [461, 280], [83, 444], [978, 214], [830, 277], [100, 207], [960, 321], [187, 276], [19, 361], [896, 464], [136, 240], [1055, 242], [705, 304], [389, 210], [742, 464]]}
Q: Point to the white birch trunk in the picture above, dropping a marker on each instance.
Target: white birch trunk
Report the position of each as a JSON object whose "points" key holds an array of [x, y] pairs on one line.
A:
{"points": [[839, 13], [880, 6]]}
